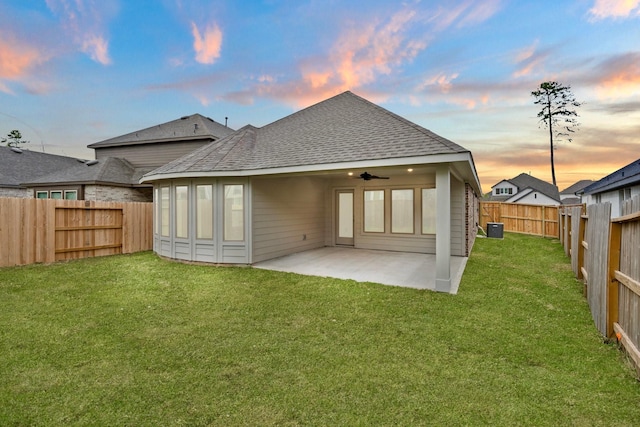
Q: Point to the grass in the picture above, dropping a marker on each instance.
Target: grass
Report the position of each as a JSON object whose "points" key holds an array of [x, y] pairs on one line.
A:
{"points": [[136, 340]]}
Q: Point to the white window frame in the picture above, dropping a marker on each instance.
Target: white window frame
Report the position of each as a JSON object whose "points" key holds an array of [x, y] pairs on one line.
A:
{"points": [[401, 228], [367, 226]]}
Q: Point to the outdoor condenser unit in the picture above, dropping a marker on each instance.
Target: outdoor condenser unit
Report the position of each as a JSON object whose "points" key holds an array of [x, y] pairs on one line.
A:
{"points": [[495, 230]]}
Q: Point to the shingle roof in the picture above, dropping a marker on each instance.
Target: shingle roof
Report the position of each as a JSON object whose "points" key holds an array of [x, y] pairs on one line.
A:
{"points": [[626, 176], [573, 189], [18, 167], [524, 181], [340, 129], [190, 127], [110, 170]]}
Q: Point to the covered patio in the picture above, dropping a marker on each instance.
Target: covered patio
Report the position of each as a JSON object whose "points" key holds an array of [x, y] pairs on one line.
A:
{"points": [[411, 270]]}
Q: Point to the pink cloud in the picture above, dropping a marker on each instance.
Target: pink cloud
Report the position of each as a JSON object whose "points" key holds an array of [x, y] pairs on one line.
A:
{"points": [[85, 22], [603, 9], [17, 60], [529, 60], [207, 46], [619, 76], [364, 52], [441, 81], [97, 48]]}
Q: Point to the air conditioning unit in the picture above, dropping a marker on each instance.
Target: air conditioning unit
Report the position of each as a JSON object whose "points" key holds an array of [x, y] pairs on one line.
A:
{"points": [[495, 230]]}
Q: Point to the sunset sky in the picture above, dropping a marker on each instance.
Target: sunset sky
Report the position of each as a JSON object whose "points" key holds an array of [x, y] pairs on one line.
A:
{"points": [[75, 72]]}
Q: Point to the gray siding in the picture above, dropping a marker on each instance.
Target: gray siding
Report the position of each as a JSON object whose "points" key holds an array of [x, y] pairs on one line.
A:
{"points": [[150, 155], [288, 216], [416, 242]]}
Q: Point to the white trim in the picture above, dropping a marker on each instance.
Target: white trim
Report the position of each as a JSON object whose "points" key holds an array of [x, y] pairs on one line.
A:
{"points": [[402, 161]]}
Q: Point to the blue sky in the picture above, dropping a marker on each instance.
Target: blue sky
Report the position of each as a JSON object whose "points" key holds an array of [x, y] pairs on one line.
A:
{"points": [[75, 72]]}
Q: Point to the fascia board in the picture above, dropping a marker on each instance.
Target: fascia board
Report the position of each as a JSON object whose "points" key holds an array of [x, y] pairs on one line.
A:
{"points": [[404, 161]]}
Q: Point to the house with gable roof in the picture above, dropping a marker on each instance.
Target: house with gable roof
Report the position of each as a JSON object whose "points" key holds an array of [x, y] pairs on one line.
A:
{"points": [[572, 194], [525, 189], [344, 172], [119, 163], [615, 188]]}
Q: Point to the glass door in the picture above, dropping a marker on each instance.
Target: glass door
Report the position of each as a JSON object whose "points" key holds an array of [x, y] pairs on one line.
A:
{"points": [[344, 217]]}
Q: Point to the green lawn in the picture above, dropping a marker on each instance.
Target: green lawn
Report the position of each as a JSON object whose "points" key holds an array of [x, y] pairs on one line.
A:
{"points": [[136, 340]]}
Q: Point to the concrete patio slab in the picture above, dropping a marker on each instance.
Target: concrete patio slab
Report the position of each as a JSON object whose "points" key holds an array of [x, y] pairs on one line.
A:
{"points": [[388, 268]]}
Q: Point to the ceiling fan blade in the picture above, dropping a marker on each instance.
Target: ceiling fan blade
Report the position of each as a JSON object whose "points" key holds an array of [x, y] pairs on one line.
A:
{"points": [[367, 176]]}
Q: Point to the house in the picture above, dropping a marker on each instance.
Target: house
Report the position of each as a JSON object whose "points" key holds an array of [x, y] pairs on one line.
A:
{"points": [[615, 188], [157, 145], [343, 172], [119, 163], [109, 179], [525, 189], [571, 195], [19, 165]]}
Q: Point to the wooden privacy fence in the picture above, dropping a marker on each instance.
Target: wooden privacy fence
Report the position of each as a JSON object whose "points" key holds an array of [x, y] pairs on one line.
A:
{"points": [[605, 254], [518, 218], [45, 231]]}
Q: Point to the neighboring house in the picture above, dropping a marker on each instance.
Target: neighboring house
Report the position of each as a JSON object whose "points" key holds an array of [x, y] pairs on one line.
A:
{"points": [[115, 173], [343, 172], [110, 179], [571, 195], [18, 165], [615, 188], [525, 189], [158, 145]]}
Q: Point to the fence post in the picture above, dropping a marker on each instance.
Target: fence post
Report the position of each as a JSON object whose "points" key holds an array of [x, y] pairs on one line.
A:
{"points": [[615, 232]]}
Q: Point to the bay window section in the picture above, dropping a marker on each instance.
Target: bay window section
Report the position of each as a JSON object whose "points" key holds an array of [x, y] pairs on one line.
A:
{"points": [[374, 211], [428, 211], [164, 209], [402, 211], [233, 212], [182, 211], [156, 208], [204, 212]]}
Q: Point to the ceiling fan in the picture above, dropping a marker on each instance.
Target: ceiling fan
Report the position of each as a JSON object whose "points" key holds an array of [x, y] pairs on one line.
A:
{"points": [[368, 177]]}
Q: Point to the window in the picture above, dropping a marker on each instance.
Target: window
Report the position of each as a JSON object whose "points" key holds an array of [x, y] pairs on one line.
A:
{"points": [[182, 211], [428, 210], [234, 212], [374, 211], [56, 195], [164, 210], [499, 191], [71, 195], [204, 212], [42, 194], [402, 211]]}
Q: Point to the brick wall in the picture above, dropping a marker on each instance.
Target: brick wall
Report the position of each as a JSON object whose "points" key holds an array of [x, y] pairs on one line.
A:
{"points": [[473, 217], [16, 192], [107, 193]]}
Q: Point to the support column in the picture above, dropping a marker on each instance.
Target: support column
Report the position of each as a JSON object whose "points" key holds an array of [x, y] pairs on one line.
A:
{"points": [[443, 228]]}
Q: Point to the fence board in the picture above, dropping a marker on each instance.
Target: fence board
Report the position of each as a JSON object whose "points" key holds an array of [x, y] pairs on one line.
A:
{"points": [[44, 231], [520, 218], [576, 238], [610, 267], [596, 261]]}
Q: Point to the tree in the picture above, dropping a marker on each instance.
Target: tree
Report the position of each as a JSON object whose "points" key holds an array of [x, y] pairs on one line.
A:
{"points": [[557, 114], [14, 139]]}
